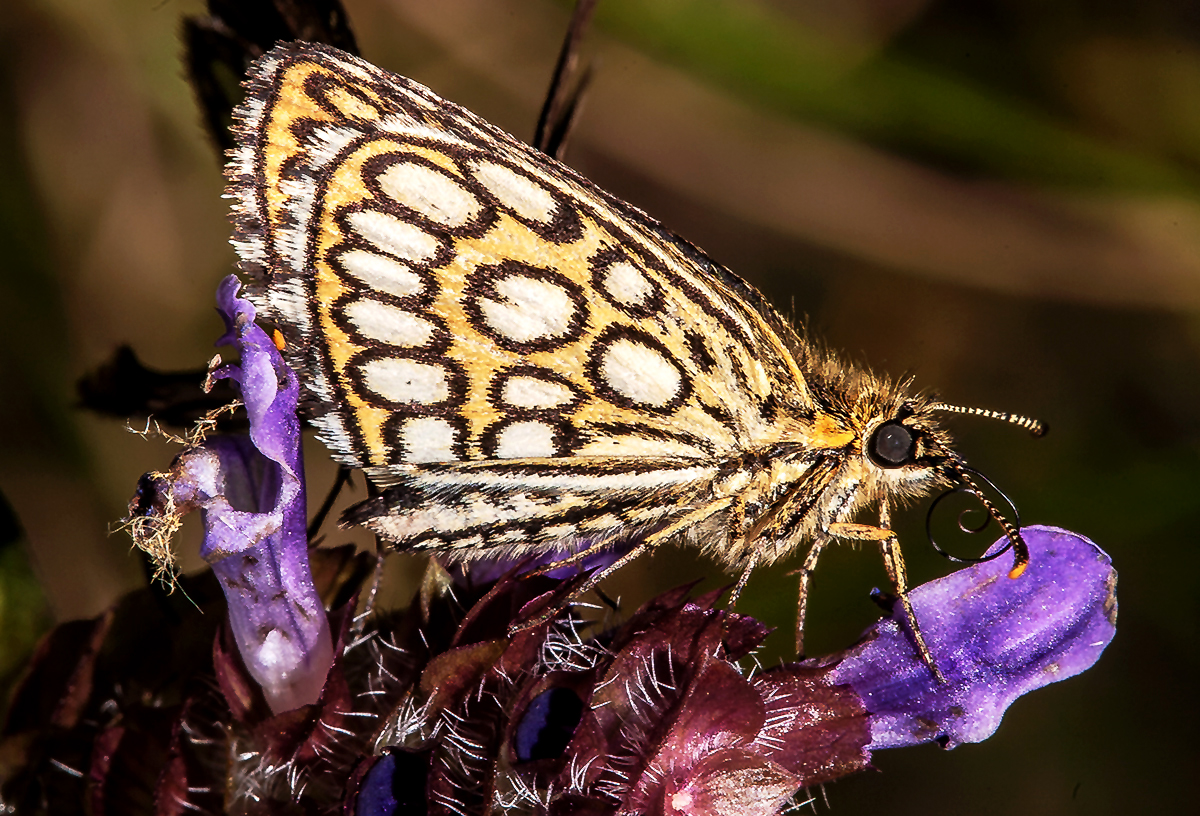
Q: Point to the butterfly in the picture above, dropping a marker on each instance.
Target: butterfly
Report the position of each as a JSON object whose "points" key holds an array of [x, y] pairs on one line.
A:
{"points": [[524, 364]]}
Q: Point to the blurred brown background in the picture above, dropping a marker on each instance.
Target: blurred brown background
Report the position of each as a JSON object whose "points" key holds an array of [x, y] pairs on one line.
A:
{"points": [[1001, 197]]}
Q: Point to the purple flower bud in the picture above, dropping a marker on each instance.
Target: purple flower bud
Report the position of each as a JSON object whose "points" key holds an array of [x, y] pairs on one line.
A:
{"points": [[993, 637], [251, 492]]}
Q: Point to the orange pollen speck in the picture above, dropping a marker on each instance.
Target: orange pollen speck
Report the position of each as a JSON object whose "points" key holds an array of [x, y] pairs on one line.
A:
{"points": [[277, 337]]}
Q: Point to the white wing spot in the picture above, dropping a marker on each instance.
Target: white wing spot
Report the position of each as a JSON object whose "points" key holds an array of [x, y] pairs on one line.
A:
{"points": [[406, 381], [532, 392], [381, 274], [387, 324], [328, 142], [350, 105], [428, 439], [430, 193], [390, 234], [640, 373], [531, 309], [521, 440], [516, 192], [626, 284], [402, 124]]}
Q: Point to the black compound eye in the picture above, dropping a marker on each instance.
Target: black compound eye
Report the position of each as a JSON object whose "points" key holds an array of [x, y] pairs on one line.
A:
{"points": [[892, 445]]}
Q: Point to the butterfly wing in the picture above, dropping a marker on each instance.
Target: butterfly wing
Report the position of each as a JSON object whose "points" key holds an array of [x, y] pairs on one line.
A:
{"points": [[453, 295]]}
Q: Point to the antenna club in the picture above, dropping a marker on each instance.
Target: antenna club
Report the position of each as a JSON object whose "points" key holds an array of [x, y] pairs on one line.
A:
{"points": [[1035, 426]]}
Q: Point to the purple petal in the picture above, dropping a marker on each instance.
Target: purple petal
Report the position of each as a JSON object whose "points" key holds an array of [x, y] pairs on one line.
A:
{"points": [[547, 724], [261, 556], [268, 387], [394, 784], [994, 639], [252, 495]]}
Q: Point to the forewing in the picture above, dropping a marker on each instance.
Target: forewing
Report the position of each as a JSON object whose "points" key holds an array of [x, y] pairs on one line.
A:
{"points": [[451, 294]]}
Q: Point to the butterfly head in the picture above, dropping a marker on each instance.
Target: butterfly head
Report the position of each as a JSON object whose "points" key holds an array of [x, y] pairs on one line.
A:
{"points": [[912, 454], [901, 451]]}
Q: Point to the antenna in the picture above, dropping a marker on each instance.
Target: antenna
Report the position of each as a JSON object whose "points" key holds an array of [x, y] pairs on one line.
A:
{"points": [[1034, 426]]}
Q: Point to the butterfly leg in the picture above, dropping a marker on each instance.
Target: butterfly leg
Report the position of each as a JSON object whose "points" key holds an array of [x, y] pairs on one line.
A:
{"points": [[893, 561], [647, 544], [651, 541], [574, 558], [778, 524], [590, 582], [737, 532], [741, 584], [805, 572]]}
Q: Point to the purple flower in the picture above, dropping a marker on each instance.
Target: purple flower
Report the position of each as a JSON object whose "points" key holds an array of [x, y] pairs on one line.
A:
{"points": [[473, 701], [656, 716], [251, 493], [994, 639]]}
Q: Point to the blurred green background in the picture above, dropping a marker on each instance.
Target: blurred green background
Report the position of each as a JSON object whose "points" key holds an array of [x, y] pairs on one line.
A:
{"points": [[1002, 198]]}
